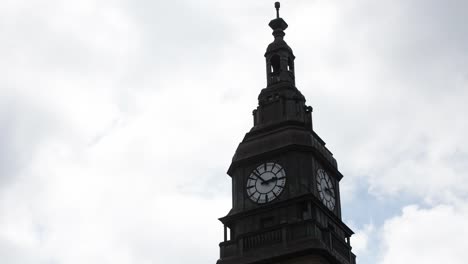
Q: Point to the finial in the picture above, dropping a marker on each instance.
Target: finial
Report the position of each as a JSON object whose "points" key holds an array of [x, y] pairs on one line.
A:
{"points": [[277, 6], [278, 24]]}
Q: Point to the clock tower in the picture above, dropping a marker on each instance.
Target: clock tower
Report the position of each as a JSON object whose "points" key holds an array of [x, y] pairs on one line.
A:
{"points": [[285, 183]]}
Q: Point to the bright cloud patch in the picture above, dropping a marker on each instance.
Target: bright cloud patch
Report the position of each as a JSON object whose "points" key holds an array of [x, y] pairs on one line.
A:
{"points": [[431, 236], [118, 120]]}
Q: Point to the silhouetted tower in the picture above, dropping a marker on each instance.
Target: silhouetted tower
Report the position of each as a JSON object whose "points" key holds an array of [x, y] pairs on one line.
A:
{"points": [[285, 183]]}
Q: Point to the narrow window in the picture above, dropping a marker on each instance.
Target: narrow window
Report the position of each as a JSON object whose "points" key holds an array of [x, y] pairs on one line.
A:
{"points": [[290, 65], [275, 64], [304, 210]]}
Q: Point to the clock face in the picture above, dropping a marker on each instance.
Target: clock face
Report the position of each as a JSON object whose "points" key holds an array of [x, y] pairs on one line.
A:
{"points": [[266, 183], [326, 189]]}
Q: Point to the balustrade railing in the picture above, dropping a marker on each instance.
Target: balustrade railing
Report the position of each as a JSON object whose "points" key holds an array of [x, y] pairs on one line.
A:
{"points": [[284, 234], [262, 239]]}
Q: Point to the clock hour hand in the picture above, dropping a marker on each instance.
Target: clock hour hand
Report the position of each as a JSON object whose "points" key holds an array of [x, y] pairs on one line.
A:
{"points": [[330, 191], [272, 179]]}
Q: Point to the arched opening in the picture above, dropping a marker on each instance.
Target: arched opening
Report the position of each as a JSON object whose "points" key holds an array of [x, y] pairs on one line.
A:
{"points": [[290, 65], [275, 64]]}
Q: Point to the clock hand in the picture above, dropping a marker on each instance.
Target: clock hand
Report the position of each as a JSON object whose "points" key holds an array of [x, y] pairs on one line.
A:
{"points": [[270, 180], [263, 181], [256, 173], [330, 191]]}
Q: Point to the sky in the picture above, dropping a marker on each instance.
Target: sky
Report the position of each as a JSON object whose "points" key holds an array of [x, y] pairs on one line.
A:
{"points": [[119, 119]]}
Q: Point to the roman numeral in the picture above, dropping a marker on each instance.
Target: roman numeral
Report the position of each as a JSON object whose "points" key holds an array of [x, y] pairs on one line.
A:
{"points": [[256, 173]]}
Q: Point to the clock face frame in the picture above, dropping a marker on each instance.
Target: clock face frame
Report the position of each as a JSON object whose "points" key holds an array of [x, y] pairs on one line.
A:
{"points": [[326, 189], [266, 183]]}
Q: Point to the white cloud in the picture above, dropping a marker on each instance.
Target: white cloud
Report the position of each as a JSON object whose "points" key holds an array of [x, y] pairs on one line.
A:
{"points": [[432, 235], [118, 120], [361, 239], [388, 85]]}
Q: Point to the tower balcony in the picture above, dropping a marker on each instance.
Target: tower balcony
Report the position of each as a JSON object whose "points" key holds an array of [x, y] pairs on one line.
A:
{"points": [[285, 240]]}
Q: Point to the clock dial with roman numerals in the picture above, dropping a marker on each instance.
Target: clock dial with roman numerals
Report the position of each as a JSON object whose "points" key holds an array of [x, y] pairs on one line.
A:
{"points": [[266, 183], [325, 189]]}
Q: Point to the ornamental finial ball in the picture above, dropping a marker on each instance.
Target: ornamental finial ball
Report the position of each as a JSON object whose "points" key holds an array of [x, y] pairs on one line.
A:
{"points": [[277, 6]]}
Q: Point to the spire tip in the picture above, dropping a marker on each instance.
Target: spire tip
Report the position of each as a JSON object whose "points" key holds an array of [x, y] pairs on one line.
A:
{"points": [[277, 6]]}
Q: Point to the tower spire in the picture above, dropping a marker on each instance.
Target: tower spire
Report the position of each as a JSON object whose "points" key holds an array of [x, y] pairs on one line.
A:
{"points": [[279, 56], [278, 24], [277, 6], [280, 102]]}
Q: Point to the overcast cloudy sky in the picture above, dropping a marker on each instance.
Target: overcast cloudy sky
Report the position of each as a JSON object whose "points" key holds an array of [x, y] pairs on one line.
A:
{"points": [[118, 121]]}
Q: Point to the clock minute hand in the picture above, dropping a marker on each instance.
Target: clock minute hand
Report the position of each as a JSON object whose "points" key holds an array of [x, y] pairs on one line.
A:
{"points": [[260, 177], [256, 173]]}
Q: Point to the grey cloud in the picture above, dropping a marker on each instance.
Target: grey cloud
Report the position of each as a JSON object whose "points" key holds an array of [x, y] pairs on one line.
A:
{"points": [[386, 80], [397, 72], [23, 128]]}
